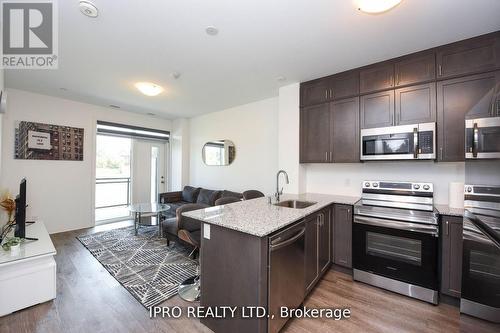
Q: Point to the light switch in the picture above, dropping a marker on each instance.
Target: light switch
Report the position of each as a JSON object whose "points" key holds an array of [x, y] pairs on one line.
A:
{"points": [[206, 231]]}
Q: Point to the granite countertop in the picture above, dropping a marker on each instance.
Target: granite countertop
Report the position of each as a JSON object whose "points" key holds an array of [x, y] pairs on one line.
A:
{"points": [[447, 210], [258, 218]]}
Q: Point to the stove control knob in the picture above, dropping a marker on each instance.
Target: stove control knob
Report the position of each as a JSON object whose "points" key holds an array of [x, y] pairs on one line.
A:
{"points": [[375, 184], [469, 189], [426, 187], [416, 186], [367, 184]]}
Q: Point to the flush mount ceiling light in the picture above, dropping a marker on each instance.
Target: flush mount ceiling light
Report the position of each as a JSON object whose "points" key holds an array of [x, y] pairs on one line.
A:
{"points": [[88, 9], [376, 6], [148, 88], [211, 31]]}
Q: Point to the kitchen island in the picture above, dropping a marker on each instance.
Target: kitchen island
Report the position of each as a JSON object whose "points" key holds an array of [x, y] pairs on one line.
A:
{"points": [[248, 258]]}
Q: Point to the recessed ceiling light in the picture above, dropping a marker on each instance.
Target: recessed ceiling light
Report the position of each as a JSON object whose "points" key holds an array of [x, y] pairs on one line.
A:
{"points": [[211, 30], [88, 9], [176, 75], [114, 106], [63, 89], [281, 78], [151, 114], [149, 88], [376, 6]]}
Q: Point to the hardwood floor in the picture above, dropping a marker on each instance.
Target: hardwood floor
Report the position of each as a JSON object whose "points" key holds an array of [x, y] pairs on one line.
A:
{"points": [[90, 300]]}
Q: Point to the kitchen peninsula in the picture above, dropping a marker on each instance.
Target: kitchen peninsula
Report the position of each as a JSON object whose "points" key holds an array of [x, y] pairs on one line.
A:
{"points": [[252, 247]]}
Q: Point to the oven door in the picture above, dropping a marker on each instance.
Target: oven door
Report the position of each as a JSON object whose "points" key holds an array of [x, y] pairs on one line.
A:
{"points": [[480, 274], [397, 250], [482, 138]]}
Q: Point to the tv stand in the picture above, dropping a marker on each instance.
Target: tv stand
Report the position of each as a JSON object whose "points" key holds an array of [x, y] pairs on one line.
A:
{"points": [[28, 277]]}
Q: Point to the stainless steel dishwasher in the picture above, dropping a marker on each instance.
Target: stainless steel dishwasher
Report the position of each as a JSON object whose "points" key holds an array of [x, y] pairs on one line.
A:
{"points": [[286, 273]]}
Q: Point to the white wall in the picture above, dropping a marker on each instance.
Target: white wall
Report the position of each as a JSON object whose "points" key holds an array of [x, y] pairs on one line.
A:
{"points": [[253, 129], [59, 192], [179, 144], [346, 179], [2, 85], [289, 141]]}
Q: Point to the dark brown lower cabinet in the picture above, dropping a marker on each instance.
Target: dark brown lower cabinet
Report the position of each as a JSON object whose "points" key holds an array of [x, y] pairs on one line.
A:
{"points": [[342, 235], [451, 252], [317, 246]]}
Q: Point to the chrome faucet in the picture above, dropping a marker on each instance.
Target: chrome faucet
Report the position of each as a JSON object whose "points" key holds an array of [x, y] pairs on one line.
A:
{"points": [[278, 191]]}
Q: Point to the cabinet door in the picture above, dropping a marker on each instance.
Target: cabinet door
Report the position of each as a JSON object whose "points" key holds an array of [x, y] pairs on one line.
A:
{"points": [[345, 84], [324, 248], [415, 68], [458, 99], [342, 235], [377, 110], [451, 242], [469, 56], [345, 130], [416, 104], [377, 77], [315, 134], [314, 92], [311, 250]]}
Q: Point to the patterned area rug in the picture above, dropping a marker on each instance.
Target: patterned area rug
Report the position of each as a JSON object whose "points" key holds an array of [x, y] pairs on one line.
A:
{"points": [[149, 269]]}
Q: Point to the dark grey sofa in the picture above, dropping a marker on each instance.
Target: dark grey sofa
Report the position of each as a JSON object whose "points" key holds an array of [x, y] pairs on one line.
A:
{"points": [[190, 198]]}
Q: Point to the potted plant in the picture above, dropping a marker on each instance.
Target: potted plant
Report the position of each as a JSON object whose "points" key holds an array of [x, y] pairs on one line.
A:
{"points": [[12, 243], [9, 206]]}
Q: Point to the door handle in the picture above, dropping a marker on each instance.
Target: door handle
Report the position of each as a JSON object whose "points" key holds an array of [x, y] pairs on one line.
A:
{"points": [[287, 242], [475, 141], [447, 229], [415, 142]]}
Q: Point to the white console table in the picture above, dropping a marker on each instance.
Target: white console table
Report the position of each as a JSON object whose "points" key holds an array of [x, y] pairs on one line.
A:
{"points": [[28, 277]]}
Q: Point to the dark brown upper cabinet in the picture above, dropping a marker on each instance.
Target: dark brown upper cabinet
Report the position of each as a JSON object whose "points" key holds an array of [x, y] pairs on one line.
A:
{"points": [[345, 84], [469, 56], [415, 68], [416, 104], [315, 134], [376, 77], [458, 99], [314, 92], [377, 110], [345, 130]]}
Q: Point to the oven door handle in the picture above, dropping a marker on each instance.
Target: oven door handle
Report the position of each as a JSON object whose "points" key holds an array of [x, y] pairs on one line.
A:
{"points": [[422, 228], [475, 140]]}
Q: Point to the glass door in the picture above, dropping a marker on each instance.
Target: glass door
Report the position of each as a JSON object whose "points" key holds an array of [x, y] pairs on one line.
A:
{"points": [[113, 178], [158, 170]]}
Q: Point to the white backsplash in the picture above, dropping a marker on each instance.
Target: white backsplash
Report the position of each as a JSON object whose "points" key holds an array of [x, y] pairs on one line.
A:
{"points": [[346, 179]]}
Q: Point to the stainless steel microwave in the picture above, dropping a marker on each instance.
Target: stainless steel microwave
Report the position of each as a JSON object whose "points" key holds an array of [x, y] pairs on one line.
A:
{"points": [[482, 138], [407, 142]]}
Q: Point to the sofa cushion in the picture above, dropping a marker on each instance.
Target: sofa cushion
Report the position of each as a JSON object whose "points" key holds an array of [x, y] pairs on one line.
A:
{"points": [[208, 197], [173, 207], [226, 194], [190, 194]]}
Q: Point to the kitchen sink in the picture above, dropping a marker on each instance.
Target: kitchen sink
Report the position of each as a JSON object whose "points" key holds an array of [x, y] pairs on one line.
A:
{"points": [[297, 204]]}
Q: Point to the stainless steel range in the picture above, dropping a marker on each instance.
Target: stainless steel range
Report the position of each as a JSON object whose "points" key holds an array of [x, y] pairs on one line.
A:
{"points": [[481, 252], [395, 238]]}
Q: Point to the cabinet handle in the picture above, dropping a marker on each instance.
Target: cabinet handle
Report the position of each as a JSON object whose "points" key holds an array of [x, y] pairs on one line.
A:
{"points": [[331, 157], [447, 228], [397, 119], [397, 79], [326, 156], [326, 94], [392, 119], [331, 94], [440, 70], [441, 153], [391, 81]]}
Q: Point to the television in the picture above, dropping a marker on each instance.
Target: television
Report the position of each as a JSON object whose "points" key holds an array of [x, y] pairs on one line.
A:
{"points": [[21, 211]]}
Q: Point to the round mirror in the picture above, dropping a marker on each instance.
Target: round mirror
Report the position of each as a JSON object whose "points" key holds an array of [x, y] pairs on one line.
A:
{"points": [[220, 152]]}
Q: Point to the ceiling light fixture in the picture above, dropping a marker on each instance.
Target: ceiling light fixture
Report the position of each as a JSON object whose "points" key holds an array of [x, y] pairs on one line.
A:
{"points": [[148, 88], [114, 106], [211, 30], [88, 9], [376, 6]]}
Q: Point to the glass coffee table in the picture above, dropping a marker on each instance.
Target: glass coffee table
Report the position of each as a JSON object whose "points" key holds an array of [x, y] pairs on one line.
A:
{"points": [[148, 208]]}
